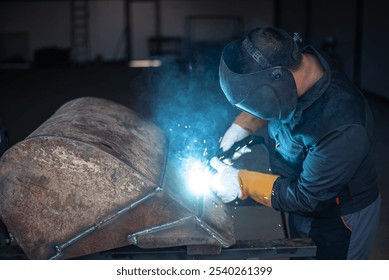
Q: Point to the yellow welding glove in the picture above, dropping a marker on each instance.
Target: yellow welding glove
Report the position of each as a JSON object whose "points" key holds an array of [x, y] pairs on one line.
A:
{"points": [[256, 185], [230, 183]]}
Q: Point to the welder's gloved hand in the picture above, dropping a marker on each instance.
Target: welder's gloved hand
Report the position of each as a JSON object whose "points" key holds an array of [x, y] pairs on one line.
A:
{"points": [[235, 183], [234, 134], [225, 183]]}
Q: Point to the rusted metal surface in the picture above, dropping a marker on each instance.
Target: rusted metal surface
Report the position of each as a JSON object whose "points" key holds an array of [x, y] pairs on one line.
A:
{"points": [[92, 178]]}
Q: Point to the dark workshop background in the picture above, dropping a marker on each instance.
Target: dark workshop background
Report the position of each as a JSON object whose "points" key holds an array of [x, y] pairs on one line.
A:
{"points": [[54, 51]]}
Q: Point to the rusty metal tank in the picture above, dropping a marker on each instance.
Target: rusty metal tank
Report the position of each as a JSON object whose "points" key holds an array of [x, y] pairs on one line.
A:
{"points": [[96, 176]]}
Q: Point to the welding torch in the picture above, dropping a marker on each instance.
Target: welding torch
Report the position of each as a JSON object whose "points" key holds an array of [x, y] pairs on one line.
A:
{"points": [[248, 141]]}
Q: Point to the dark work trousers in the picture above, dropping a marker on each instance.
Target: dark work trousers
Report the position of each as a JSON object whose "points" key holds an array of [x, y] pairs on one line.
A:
{"points": [[347, 237], [364, 226]]}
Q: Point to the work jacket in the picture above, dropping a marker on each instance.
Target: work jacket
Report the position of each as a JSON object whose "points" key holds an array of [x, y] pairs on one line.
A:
{"points": [[323, 152]]}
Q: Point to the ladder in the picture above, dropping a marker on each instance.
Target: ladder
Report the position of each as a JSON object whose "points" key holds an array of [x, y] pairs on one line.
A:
{"points": [[80, 49]]}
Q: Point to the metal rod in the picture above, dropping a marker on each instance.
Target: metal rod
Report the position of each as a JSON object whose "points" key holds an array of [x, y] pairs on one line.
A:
{"points": [[59, 248], [133, 238], [284, 225]]}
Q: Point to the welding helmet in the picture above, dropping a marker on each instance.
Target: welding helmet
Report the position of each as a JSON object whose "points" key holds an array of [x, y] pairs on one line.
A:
{"points": [[269, 93]]}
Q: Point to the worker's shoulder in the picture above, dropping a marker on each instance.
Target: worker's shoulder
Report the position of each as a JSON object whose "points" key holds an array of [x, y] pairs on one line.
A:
{"points": [[344, 102]]}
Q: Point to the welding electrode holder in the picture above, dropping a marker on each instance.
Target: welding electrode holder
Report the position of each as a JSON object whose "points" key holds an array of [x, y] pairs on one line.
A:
{"points": [[249, 141]]}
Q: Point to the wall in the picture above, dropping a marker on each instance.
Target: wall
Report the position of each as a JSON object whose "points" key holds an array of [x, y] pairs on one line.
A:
{"points": [[175, 14], [141, 29], [337, 19], [107, 29], [43, 23], [375, 47], [326, 20], [47, 24], [26, 26]]}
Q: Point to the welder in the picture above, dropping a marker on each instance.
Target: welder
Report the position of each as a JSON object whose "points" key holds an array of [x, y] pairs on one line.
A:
{"points": [[320, 132]]}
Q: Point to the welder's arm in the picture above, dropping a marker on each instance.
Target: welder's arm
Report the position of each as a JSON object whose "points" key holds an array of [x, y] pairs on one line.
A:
{"points": [[256, 185], [249, 122], [328, 168], [232, 183]]}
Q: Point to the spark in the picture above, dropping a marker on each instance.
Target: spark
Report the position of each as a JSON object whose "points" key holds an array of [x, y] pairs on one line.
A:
{"points": [[205, 153], [191, 152]]}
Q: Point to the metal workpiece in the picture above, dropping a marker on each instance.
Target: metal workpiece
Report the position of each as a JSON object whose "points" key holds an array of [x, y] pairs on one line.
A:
{"points": [[95, 177], [186, 225]]}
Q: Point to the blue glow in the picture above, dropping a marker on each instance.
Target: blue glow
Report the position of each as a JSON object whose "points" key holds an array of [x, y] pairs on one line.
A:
{"points": [[190, 108]]}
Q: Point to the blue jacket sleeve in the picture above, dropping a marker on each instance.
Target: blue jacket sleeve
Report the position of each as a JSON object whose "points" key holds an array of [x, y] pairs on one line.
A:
{"points": [[327, 169]]}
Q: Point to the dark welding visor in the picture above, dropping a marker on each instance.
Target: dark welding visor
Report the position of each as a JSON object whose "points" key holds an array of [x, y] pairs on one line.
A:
{"points": [[267, 94]]}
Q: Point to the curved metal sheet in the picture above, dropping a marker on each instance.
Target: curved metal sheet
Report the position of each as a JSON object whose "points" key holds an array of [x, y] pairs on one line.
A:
{"points": [[90, 178]]}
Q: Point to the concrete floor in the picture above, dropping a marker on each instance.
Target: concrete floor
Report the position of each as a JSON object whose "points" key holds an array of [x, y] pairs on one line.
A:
{"points": [[29, 97]]}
